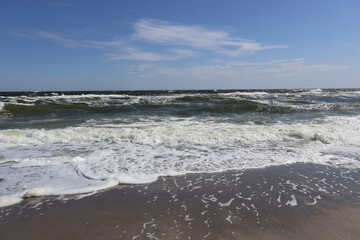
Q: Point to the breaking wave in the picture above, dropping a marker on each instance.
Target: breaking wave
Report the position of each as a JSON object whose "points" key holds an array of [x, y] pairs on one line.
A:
{"points": [[61, 143]]}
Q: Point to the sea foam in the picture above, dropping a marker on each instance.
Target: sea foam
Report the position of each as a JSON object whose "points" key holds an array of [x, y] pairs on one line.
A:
{"points": [[74, 160], [60, 144]]}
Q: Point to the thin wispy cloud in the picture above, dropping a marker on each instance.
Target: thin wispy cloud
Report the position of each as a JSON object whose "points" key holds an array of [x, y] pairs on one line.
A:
{"points": [[297, 65], [286, 64], [142, 67], [55, 37], [136, 54], [237, 70], [62, 40], [219, 41], [176, 41], [119, 49], [167, 41]]}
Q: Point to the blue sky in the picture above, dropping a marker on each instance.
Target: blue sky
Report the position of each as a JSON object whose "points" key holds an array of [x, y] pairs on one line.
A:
{"points": [[198, 44]]}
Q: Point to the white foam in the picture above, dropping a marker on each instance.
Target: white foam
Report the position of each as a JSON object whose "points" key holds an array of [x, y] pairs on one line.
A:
{"points": [[254, 94], [98, 155], [226, 204], [92, 99], [189, 131], [292, 202], [69, 190], [8, 201]]}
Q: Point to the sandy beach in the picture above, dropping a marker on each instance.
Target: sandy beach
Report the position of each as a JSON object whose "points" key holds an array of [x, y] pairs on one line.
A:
{"points": [[299, 201], [179, 120]]}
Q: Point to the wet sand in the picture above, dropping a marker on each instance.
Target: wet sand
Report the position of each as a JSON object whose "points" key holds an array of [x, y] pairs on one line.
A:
{"points": [[299, 201]]}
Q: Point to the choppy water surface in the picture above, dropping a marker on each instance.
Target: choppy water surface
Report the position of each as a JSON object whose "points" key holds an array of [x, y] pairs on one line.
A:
{"points": [[55, 143]]}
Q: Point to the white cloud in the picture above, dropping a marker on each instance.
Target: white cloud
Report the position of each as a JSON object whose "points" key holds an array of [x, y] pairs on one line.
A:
{"points": [[185, 41], [168, 33], [132, 53], [219, 41], [68, 42], [143, 67], [237, 70], [38, 34], [177, 42], [296, 65], [183, 53], [120, 50]]}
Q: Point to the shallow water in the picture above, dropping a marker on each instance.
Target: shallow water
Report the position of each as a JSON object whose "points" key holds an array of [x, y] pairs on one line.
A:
{"points": [[55, 143]]}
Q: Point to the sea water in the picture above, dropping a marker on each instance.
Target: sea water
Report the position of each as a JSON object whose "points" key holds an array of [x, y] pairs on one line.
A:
{"points": [[61, 143]]}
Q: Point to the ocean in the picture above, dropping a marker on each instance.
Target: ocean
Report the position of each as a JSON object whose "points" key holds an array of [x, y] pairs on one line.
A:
{"points": [[65, 143]]}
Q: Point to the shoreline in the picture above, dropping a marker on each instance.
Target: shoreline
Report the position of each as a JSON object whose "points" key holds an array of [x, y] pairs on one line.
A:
{"points": [[298, 201]]}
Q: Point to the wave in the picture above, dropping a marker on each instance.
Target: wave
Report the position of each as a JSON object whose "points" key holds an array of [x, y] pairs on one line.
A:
{"points": [[102, 154], [62, 143], [182, 103], [335, 130], [170, 108], [22, 110]]}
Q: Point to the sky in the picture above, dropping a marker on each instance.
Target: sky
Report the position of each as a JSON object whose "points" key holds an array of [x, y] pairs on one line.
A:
{"points": [[55, 45]]}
